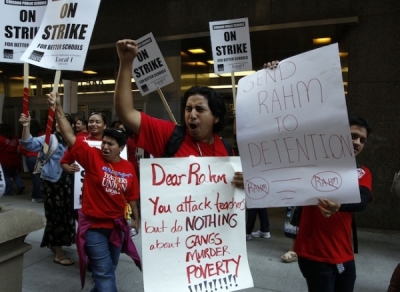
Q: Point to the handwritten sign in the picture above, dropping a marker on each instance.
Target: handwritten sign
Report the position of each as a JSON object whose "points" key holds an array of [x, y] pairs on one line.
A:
{"points": [[19, 22], [149, 68], [293, 133], [193, 223], [230, 41], [64, 35], [80, 175]]}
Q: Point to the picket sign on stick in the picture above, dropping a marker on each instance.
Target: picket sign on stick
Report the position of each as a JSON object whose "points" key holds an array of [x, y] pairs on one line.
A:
{"points": [[25, 101], [50, 117], [233, 89], [171, 115]]}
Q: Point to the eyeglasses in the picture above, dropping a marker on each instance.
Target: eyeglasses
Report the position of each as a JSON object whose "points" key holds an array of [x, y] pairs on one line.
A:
{"points": [[362, 139]]}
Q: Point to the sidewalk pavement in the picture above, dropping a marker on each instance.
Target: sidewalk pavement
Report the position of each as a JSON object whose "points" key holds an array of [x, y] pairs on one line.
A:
{"points": [[379, 254]]}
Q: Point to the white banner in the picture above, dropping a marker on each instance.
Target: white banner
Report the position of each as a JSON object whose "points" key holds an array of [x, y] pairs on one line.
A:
{"points": [[149, 68], [293, 133], [19, 21], [2, 182], [64, 35], [80, 175], [193, 225], [230, 41]]}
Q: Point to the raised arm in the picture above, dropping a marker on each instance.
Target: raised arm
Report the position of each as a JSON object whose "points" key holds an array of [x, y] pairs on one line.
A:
{"points": [[123, 101], [63, 124], [25, 122]]}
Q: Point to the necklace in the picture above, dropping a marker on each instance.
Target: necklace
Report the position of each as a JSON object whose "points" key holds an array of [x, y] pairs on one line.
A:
{"points": [[200, 152], [198, 147]]}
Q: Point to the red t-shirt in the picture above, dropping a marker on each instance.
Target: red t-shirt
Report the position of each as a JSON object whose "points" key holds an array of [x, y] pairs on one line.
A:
{"points": [[155, 133], [67, 157], [328, 240], [107, 186], [9, 155]]}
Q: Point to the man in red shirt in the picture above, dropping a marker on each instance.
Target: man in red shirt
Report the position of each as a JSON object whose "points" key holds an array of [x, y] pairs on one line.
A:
{"points": [[324, 240]]}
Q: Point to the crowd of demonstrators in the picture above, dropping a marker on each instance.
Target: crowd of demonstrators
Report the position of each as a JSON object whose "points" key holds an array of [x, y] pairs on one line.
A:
{"points": [[30, 158], [81, 127], [10, 160], [323, 243], [56, 190], [102, 228], [263, 232], [322, 246]]}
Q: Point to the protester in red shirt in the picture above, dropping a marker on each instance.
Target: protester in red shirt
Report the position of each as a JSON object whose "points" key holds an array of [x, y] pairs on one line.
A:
{"points": [[81, 127], [10, 160], [324, 240], [204, 116], [96, 126], [110, 184]]}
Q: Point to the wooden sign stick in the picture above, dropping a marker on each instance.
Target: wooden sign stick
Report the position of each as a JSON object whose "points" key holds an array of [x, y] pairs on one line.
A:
{"points": [[233, 89], [50, 117], [25, 99], [171, 115]]}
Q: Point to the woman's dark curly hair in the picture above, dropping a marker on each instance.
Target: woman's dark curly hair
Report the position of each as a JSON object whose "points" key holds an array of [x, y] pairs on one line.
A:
{"points": [[216, 104]]}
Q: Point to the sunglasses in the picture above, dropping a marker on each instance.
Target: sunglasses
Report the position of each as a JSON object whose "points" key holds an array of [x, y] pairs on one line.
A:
{"points": [[119, 130], [98, 113]]}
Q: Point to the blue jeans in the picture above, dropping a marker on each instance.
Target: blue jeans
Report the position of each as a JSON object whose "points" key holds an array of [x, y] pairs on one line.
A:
{"points": [[251, 219], [36, 191], [324, 277], [103, 259], [12, 172]]}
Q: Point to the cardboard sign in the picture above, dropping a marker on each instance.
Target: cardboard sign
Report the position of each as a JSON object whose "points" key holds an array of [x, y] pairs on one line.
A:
{"points": [[293, 133], [80, 175], [64, 35], [230, 41], [19, 22], [193, 223], [149, 68]]}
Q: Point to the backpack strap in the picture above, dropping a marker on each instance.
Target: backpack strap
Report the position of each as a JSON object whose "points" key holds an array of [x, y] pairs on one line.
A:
{"points": [[228, 146], [176, 140]]}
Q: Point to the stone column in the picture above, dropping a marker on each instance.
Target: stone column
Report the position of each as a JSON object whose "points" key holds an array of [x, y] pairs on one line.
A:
{"points": [[15, 225]]}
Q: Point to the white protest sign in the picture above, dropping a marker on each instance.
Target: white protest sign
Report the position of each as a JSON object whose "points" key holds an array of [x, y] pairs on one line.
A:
{"points": [[80, 175], [293, 133], [230, 41], [149, 68], [193, 223], [19, 21], [64, 35], [2, 182]]}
